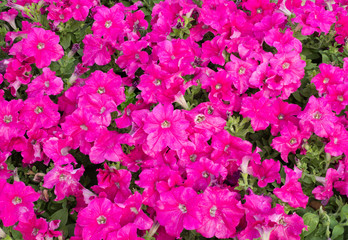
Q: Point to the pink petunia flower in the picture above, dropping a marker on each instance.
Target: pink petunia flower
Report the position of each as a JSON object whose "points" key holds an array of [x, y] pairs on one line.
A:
{"points": [[288, 226], [80, 9], [266, 172], [114, 182], [156, 85], [38, 228], [10, 125], [291, 192], [329, 76], [81, 130], [240, 71], [165, 127], [4, 171], [342, 185], [215, 13], [175, 210], [289, 66], [229, 149], [17, 73], [47, 83], [318, 117], [149, 179], [204, 123], [59, 12], [10, 17], [177, 53], [319, 18], [269, 223], [108, 146], [100, 106], [109, 22], [132, 212], [283, 42], [128, 232], [98, 219], [259, 8], [282, 114], [17, 201], [57, 149], [133, 57], [97, 50], [213, 50], [33, 150], [44, 46], [268, 22], [338, 139], [325, 192], [203, 173], [337, 97], [64, 179], [39, 112], [219, 211], [257, 209], [108, 84], [258, 109], [289, 141], [219, 85], [135, 22]]}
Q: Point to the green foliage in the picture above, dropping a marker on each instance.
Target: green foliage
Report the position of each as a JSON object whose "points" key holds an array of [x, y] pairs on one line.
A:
{"points": [[311, 220], [195, 95], [182, 29], [238, 126]]}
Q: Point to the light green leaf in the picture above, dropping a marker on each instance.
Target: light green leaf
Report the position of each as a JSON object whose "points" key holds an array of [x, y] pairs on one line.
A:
{"points": [[311, 220], [344, 212], [337, 231]]}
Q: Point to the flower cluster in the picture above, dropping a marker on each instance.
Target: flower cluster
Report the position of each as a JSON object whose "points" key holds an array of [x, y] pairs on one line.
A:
{"points": [[136, 129]]}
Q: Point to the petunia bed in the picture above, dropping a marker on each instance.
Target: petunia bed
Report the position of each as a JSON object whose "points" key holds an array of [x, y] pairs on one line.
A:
{"points": [[173, 119]]}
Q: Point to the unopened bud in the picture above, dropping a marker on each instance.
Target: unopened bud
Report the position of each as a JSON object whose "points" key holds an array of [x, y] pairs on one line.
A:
{"points": [[74, 49]]}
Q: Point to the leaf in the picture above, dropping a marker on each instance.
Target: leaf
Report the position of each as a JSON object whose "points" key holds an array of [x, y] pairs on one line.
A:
{"points": [[337, 231], [325, 58], [146, 12], [61, 215], [344, 212], [299, 36], [65, 41], [297, 96], [16, 234], [311, 220]]}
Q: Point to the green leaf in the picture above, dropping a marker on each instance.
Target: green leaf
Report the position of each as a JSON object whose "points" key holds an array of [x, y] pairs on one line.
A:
{"points": [[65, 41], [16, 234], [297, 96], [311, 220], [325, 58], [61, 215], [337, 231], [299, 36], [146, 12], [344, 212]]}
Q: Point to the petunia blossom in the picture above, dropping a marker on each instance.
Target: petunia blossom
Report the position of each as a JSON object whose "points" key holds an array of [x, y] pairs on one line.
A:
{"points": [[65, 180], [98, 219], [175, 210], [165, 127], [17, 203], [44, 46], [220, 213], [291, 192]]}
